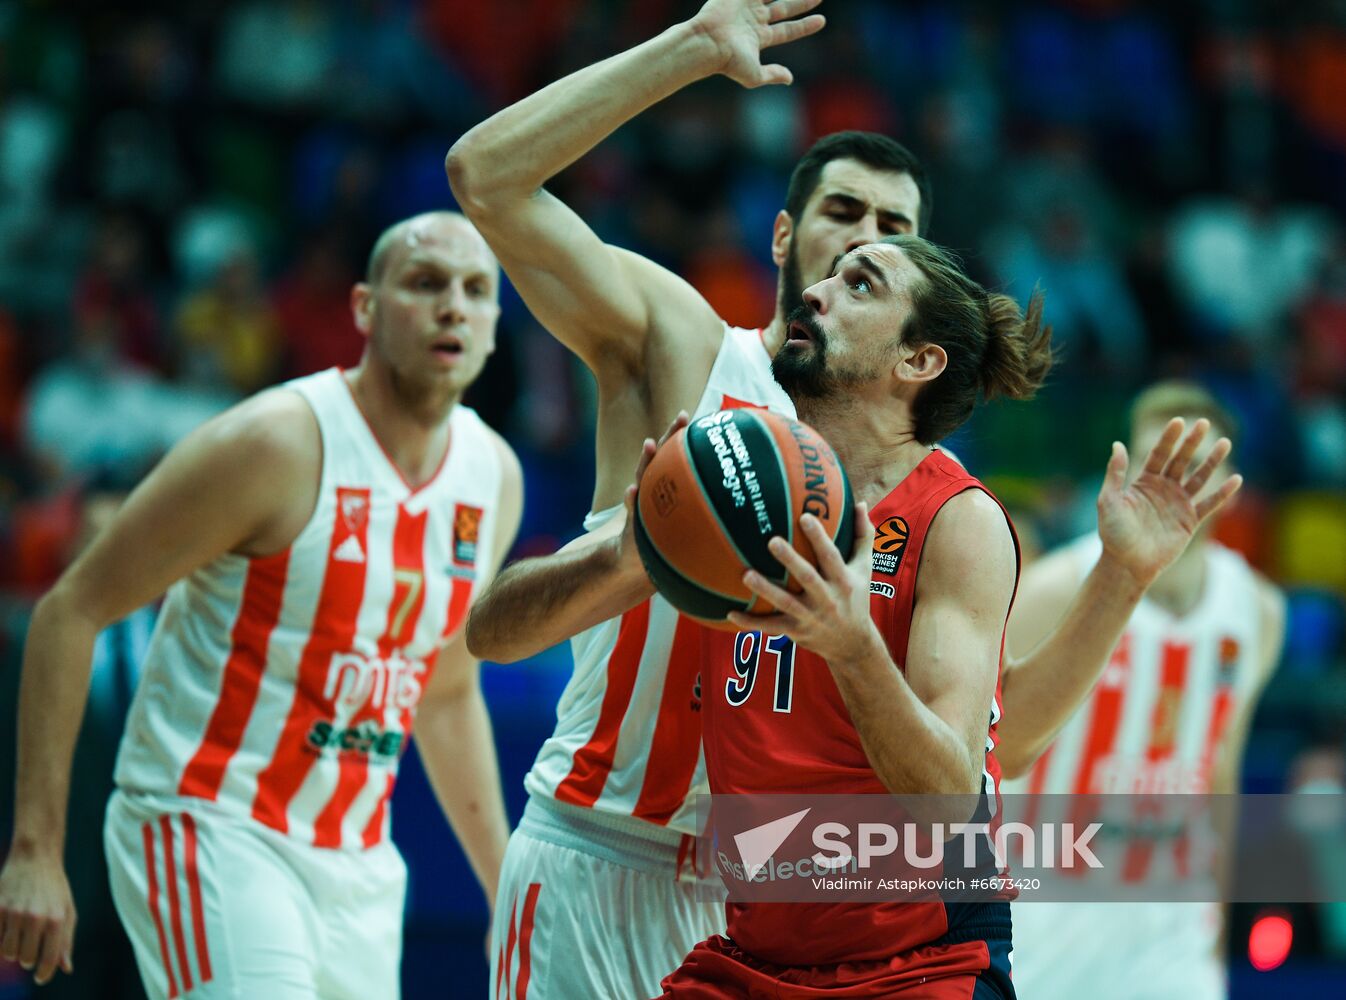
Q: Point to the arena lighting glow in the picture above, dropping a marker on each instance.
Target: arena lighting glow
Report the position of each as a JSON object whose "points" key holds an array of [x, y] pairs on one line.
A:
{"points": [[1269, 941]]}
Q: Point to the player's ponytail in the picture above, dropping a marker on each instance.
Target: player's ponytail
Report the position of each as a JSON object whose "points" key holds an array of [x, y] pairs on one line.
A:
{"points": [[993, 348], [1018, 347]]}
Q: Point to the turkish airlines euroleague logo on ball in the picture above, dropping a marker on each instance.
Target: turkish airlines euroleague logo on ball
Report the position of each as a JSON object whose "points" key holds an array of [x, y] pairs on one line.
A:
{"points": [[890, 541]]}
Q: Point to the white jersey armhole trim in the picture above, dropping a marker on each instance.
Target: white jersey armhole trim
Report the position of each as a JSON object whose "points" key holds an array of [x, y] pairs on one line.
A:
{"points": [[595, 519], [304, 389]]}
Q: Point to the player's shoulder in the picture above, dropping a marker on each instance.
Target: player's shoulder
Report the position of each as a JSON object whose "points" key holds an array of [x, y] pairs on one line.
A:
{"points": [[1272, 614], [275, 428], [251, 473], [496, 453], [970, 534], [1245, 591], [1232, 567], [273, 424], [478, 434], [974, 515], [1271, 602]]}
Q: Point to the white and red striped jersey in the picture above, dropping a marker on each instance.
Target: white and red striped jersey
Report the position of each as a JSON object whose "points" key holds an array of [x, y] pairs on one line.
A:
{"points": [[1159, 714], [1155, 723], [628, 726], [284, 688]]}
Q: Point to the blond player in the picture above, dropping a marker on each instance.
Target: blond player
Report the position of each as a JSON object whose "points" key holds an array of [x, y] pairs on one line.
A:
{"points": [[598, 895], [320, 544], [1169, 715]]}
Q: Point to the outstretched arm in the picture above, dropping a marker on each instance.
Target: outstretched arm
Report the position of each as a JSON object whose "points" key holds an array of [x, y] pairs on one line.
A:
{"points": [[1144, 526], [536, 603], [594, 297], [648, 336]]}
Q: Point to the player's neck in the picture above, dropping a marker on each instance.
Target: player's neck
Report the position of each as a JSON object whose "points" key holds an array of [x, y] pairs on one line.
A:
{"points": [[1178, 589], [876, 446], [413, 432]]}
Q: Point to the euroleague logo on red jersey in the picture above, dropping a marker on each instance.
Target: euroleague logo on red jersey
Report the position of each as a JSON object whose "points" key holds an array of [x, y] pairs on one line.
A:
{"points": [[890, 541]]}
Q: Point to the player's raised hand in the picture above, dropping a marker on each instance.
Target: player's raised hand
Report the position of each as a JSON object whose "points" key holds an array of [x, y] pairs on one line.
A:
{"points": [[830, 616], [1146, 524], [742, 29], [37, 914]]}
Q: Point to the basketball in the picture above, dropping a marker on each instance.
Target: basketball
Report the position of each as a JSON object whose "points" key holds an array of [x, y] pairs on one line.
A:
{"points": [[717, 491]]}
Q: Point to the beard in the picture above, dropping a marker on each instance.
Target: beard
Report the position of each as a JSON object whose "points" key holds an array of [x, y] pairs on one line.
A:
{"points": [[791, 295], [804, 372], [800, 370]]}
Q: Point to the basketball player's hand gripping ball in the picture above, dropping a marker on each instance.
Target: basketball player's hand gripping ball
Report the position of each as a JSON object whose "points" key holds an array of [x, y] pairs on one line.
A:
{"points": [[714, 496]]}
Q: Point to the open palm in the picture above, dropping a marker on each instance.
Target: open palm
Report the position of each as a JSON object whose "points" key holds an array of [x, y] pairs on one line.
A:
{"points": [[1147, 523], [741, 29]]}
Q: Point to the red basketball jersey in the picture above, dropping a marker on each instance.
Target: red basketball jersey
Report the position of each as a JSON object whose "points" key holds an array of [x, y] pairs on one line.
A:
{"points": [[775, 723]]}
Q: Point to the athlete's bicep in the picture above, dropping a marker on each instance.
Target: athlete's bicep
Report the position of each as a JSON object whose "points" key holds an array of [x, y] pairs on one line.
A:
{"points": [[599, 300], [241, 477], [963, 592]]}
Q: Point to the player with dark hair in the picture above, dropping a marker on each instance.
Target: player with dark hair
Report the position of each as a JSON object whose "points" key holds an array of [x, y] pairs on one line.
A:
{"points": [[828, 164], [320, 544], [890, 690], [886, 694], [599, 895]]}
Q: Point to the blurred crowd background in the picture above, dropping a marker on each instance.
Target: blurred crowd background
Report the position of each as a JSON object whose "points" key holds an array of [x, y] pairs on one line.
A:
{"points": [[187, 193]]}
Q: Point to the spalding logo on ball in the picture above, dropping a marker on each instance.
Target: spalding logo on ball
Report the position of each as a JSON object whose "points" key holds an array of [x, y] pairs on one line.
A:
{"points": [[717, 491]]}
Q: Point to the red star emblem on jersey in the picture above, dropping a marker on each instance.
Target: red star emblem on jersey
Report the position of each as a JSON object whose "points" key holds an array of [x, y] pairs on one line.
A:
{"points": [[728, 402]]}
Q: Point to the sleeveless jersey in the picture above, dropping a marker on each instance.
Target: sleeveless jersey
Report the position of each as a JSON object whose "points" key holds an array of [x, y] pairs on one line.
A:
{"points": [[776, 723], [628, 726], [1159, 713], [284, 687], [1154, 723]]}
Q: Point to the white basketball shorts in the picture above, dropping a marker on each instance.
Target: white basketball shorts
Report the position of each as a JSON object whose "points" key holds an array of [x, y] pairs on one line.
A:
{"points": [[594, 908], [1117, 951], [220, 906]]}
